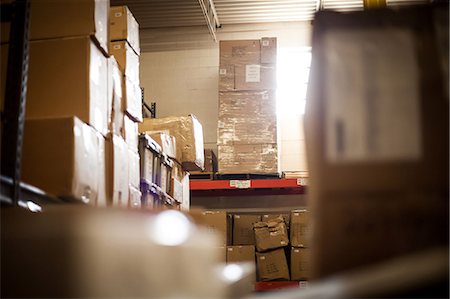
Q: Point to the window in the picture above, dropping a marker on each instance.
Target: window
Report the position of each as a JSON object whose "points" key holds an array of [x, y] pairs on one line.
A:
{"points": [[293, 66]]}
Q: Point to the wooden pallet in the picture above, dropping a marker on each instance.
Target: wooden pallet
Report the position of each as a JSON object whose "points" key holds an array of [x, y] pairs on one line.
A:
{"points": [[295, 174], [247, 176], [198, 175]]}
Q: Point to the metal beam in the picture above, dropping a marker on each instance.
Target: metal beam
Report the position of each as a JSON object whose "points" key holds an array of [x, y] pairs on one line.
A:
{"points": [[210, 14]]}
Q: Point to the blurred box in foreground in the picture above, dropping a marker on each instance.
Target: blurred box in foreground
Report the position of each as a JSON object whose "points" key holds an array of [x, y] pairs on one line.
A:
{"points": [[377, 138]]}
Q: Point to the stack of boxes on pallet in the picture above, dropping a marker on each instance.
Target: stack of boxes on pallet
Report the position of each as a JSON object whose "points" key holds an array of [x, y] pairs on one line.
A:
{"points": [[82, 106], [275, 243], [247, 126], [167, 147]]}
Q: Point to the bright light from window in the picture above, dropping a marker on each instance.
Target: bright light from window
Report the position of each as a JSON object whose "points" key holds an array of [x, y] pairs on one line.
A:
{"points": [[293, 66]]}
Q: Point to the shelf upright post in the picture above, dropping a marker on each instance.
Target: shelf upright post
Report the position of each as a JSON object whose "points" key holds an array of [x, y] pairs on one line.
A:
{"points": [[18, 13]]}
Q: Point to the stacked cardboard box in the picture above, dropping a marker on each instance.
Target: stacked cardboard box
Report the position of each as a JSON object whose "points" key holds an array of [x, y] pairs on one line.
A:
{"points": [[299, 245], [74, 86], [247, 126], [124, 47]]}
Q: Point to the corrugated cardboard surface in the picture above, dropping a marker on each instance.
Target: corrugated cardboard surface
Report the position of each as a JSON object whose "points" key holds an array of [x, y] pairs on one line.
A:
{"points": [[358, 205], [131, 133], [61, 156], [299, 263], [68, 77], [166, 141], [114, 103], [248, 158], [116, 155], [299, 228], [269, 50], [240, 254], [271, 234], [127, 59], [134, 199], [214, 221], [255, 76], [57, 19], [132, 99], [240, 51], [247, 118], [286, 218], [272, 265], [243, 233], [133, 169], [188, 133], [123, 26], [102, 199]]}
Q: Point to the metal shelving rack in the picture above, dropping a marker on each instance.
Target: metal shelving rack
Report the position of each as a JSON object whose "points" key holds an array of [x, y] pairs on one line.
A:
{"points": [[13, 191]]}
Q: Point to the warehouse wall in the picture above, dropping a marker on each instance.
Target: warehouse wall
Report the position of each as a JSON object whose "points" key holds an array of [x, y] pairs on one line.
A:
{"points": [[180, 73]]}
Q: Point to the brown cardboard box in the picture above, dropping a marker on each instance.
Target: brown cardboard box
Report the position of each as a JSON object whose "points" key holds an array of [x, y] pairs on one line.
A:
{"points": [[68, 77], [166, 141], [214, 221], [188, 133], [255, 76], [271, 234], [61, 156], [69, 18], [247, 117], [243, 233], [123, 26], [241, 254], [230, 229], [133, 169], [269, 50], [299, 228], [239, 51], [286, 218], [248, 158], [299, 263], [115, 112], [176, 189], [360, 186], [132, 99], [226, 77], [131, 133], [272, 265], [127, 59], [116, 153]]}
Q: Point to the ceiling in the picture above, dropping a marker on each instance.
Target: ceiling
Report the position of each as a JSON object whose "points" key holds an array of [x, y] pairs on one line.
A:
{"points": [[181, 13]]}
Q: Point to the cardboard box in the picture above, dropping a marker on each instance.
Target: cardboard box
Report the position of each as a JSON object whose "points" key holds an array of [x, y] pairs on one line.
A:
{"points": [[243, 233], [214, 221], [269, 50], [239, 52], [70, 18], [230, 226], [127, 59], [241, 254], [132, 99], [188, 133], [286, 218], [133, 169], [117, 174], [115, 110], [186, 203], [166, 141], [248, 158], [77, 89], [363, 165], [255, 77], [176, 189], [123, 26], [131, 133], [272, 265], [150, 159], [270, 235], [299, 228], [247, 118], [61, 156], [102, 200], [134, 197], [299, 263]]}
